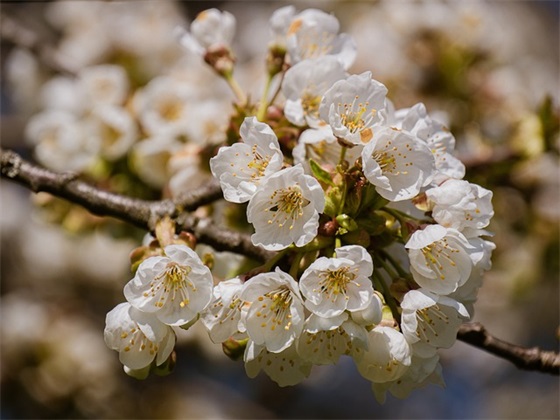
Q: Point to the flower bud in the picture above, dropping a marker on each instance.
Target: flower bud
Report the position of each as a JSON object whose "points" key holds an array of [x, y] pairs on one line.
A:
{"points": [[234, 349]]}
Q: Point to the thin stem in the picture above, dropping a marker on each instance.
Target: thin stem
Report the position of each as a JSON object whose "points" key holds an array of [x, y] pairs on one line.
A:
{"points": [[277, 89], [232, 82], [263, 105], [392, 273], [389, 299], [295, 265], [269, 265], [402, 272]]}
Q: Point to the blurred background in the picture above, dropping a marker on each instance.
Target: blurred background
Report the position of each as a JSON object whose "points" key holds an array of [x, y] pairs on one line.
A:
{"points": [[489, 69]]}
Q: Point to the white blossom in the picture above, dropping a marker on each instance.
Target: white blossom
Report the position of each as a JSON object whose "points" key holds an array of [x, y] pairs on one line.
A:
{"points": [[314, 33], [275, 316], [150, 157], [304, 85], [324, 340], [139, 337], [467, 293], [353, 107], [320, 145], [162, 106], [422, 371], [279, 23], [387, 358], [285, 209], [286, 368], [440, 258], [333, 285], [176, 287], [104, 84], [460, 204], [211, 29], [115, 129], [438, 138], [242, 167], [222, 316], [397, 164], [62, 142], [431, 320]]}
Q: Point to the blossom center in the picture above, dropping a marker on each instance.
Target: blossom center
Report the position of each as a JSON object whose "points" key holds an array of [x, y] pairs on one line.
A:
{"points": [[275, 309], [259, 163], [335, 282], [352, 115], [426, 325], [437, 254], [287, 205], [137, 341], [173, 283], [310, 104]]}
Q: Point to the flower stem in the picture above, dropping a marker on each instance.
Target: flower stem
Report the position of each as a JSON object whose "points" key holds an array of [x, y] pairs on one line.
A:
{"points": [[402, 272], [389, 299], [263, 105], [295, 265], [232, 82]]}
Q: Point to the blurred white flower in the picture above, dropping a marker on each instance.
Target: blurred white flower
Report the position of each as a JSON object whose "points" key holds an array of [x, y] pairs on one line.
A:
{"points": [[212, 29], [286, 368], [104, 84], [62, 142], [64, 94], [314, 33], [422, 371], [115, 129], [149, 158], [304, 85], [162, 106]]}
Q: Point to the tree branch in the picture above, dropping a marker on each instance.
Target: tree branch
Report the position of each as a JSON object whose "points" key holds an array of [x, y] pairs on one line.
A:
{"points": [[524, 358], [141, 213], [144, 214]]}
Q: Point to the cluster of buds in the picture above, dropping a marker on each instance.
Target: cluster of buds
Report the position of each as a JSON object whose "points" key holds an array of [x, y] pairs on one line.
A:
{"points": [[379, 241]]}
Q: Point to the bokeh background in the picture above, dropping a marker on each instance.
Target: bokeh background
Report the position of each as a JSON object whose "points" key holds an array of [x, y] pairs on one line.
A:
{"points": [[490, 69]]}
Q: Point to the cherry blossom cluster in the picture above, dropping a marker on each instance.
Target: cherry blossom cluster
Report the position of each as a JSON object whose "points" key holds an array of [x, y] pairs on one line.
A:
{"points": [[378, 241]]}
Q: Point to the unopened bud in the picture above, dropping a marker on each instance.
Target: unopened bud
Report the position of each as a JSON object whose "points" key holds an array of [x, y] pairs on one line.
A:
{"points": [[234, 349]]}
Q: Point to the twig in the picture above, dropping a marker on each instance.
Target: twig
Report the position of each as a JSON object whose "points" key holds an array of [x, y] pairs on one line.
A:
{"points": [[140, 213], [524, 358], [145, 213]]}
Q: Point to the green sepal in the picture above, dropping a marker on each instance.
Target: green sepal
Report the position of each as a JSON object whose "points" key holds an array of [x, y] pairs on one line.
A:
{"points": [[166, 367], [234, 349], [347, 222], [319, 173], [374, 223]]}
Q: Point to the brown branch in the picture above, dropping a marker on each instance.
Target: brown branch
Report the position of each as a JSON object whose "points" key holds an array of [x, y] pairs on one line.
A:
{"points": [[144, 214], [524, 358], [140, 213]]}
